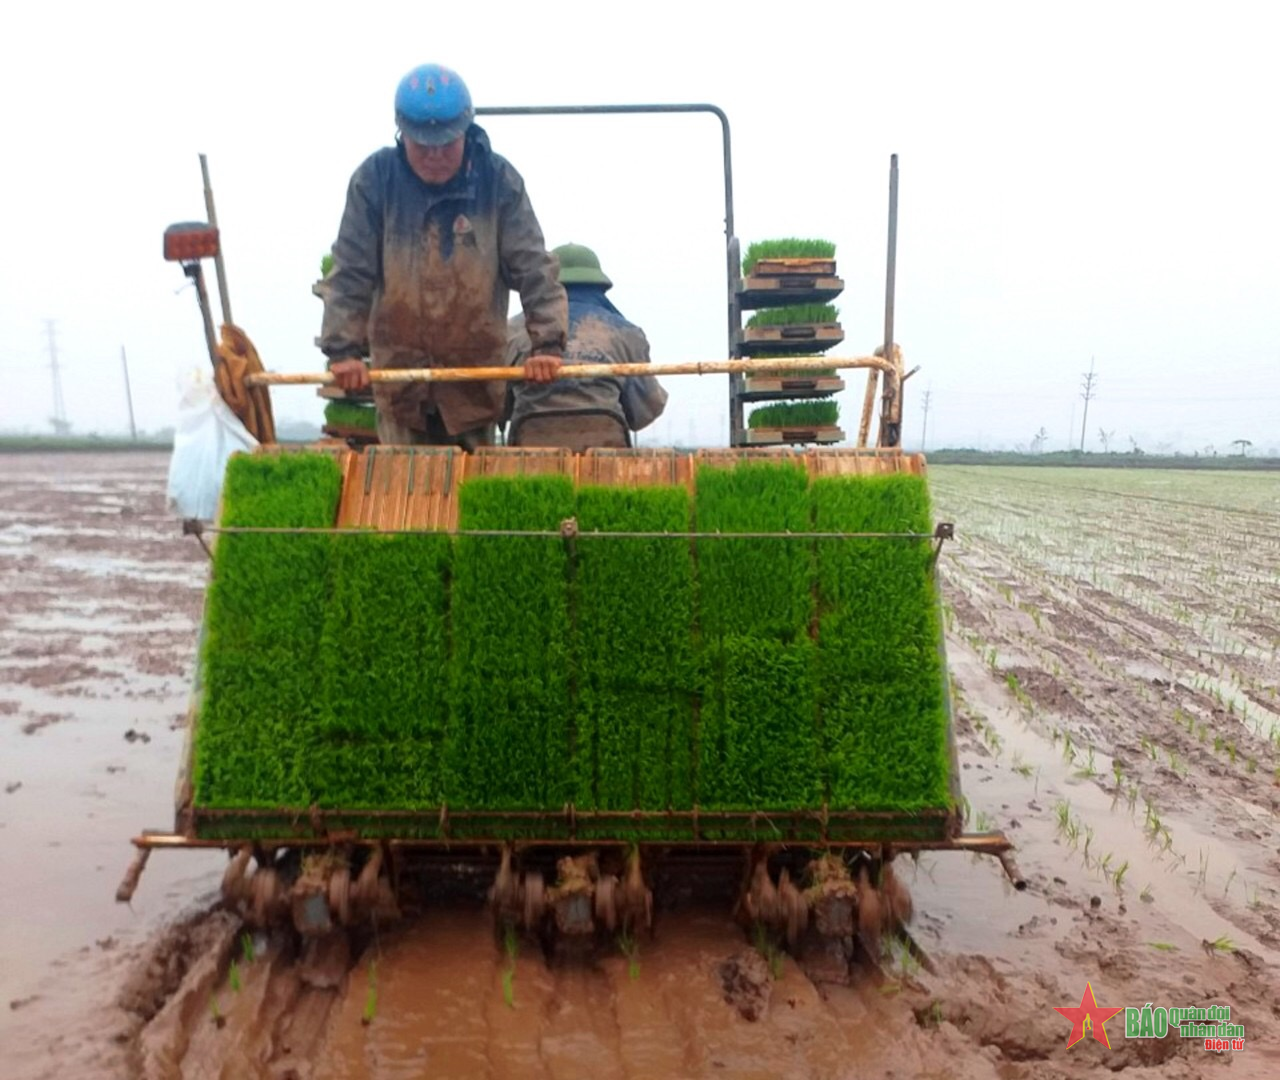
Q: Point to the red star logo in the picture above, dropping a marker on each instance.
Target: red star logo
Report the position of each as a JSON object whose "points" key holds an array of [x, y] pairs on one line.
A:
{"points": [[1091, 1013]]}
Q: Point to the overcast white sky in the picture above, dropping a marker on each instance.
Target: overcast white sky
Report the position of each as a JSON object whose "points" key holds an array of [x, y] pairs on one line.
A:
{"points": [[1077, 180]]}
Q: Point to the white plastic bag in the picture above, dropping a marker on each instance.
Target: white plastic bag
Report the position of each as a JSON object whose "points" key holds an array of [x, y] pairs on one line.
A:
{"points": [[206, 435]]}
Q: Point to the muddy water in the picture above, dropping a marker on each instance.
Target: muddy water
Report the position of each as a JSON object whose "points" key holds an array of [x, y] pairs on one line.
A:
{"points": [[96, 638], [96, 641]]}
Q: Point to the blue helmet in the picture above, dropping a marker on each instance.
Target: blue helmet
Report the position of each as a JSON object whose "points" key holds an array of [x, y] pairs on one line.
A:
{"points": [[433, 105]]}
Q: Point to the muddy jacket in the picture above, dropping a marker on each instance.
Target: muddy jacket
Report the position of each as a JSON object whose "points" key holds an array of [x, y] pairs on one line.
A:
{"points": [[422, 274], [598, 334]]}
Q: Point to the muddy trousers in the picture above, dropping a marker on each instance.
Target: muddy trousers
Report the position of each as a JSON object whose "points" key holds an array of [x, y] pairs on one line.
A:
{"points": [[393, 433]]}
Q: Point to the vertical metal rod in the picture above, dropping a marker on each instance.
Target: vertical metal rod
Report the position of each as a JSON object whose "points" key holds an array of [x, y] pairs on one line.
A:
{"points": [[737, 383], [196, 272], [889, 428], [218, 264], [59, 419], [128, 395], [733, 262]]}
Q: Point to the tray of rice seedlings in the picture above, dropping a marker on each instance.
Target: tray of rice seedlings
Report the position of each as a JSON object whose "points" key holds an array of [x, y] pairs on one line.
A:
{"points": [[794, 329], [258, 707], [321, 287], [807, 384], [789, 256], [350, 419], [508, 744], [385, 668], [882, 668], [771, 281], [635, 672], [756, 740], [790, 422]]}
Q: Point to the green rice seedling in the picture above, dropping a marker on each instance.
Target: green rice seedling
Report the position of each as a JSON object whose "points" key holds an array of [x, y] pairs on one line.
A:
{"points": [[632, 651], [1021, 767], [787, 248], [1218, 743], [1116, 772], [1063, 812], [1231, 752], [1163, 946], [347, 414], [1068, 750], [1104, 864], [984, 822], [509, 741], [1230, 878], [768, 949], [247, 949], [215, 1011], [901, 957], [1203, 873], [1146, 896], [630, 948], [370, 995], [511, 947], [264, 615], [795, 414], [1220, 945], [1117, 879], [881, 676], [233, 977], [1087, 771], [793, 315]]}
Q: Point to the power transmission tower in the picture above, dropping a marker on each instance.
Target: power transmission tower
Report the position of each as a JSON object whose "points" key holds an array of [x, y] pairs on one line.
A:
{"points": [[128, 394], [59, 418], [1086, 392], [924, 427]]}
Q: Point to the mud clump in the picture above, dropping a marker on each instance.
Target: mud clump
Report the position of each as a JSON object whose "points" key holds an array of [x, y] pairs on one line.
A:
{"points": [[160, 972], [747, 984]]}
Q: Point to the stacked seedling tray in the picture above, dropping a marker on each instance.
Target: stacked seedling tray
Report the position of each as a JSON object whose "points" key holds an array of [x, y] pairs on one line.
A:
{"points": [[789, 285], [349, 416]]}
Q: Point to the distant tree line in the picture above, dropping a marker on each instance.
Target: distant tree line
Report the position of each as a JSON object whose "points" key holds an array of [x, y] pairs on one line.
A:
{"points": [[1135, 459]]}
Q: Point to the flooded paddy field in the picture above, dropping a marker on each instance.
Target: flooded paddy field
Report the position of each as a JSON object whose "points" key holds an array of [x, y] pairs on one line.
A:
{"points": [[1113, 643]]}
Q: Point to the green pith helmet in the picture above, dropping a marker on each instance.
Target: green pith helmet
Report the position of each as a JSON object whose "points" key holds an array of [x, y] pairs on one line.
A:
{"points": [[580, 266]]}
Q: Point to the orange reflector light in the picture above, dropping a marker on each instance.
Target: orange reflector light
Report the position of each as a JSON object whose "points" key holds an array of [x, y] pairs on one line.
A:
{"points": [[190, 241]]}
